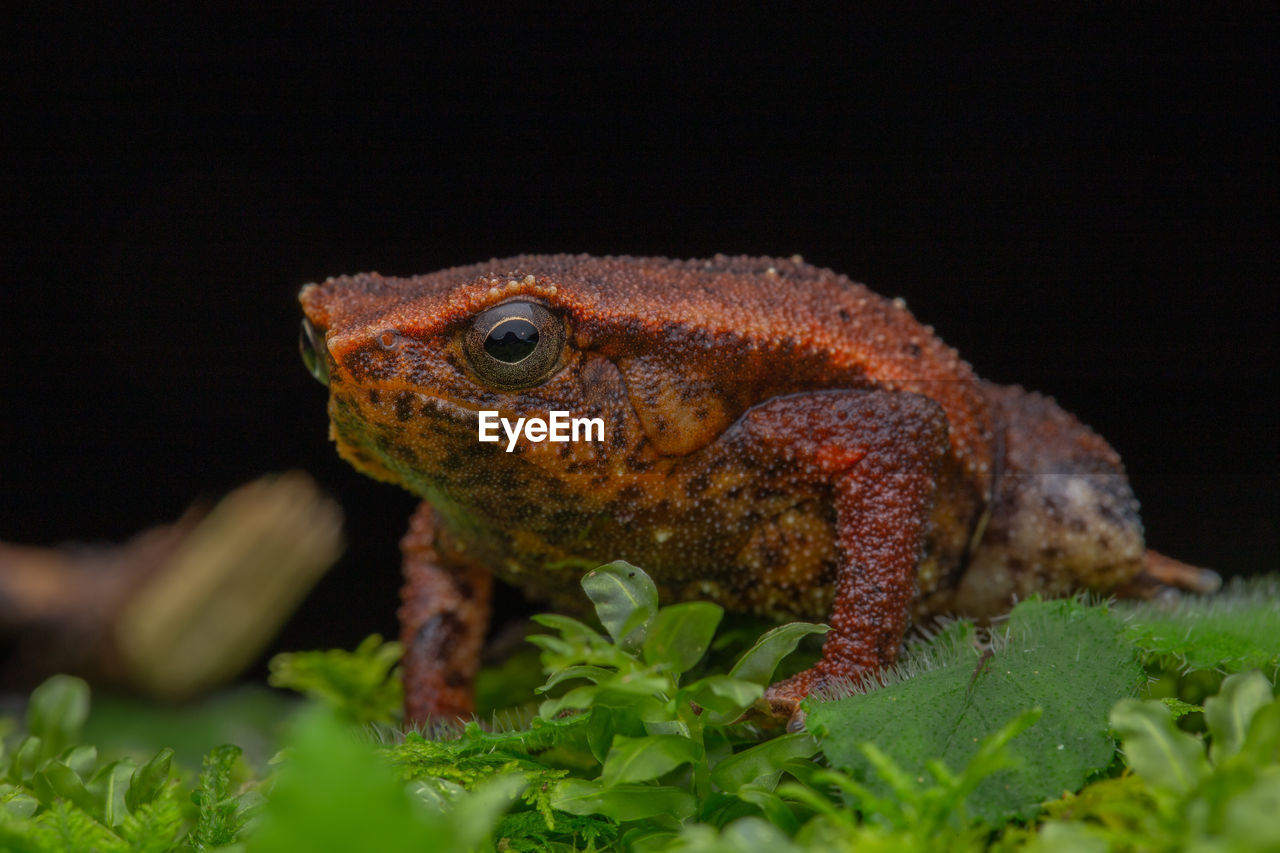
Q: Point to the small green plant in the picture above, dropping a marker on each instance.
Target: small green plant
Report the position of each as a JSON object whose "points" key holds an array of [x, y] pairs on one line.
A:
{"points": [[363, 685], [626, 739], [642, 741], [1182, 791], [56, 795]]}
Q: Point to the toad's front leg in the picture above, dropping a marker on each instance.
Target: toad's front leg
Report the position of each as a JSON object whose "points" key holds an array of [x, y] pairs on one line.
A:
{"points": [[880, 453], [443, 620]]}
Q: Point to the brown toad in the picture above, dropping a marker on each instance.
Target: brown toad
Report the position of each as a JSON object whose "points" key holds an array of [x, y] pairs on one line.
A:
{"points": [[777, 438]]}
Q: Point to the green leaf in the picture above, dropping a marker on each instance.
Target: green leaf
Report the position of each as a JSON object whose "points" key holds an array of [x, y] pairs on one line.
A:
{"points": [[334, 793], [17, 802], [148, 780], [57, 711], [1227, 715], [1236, 630], [594, 674], [26, 759], [1163, 756], [624, 802], [108, 787], [56, 779], [475, 816], [761, 764], [943, 702], [571, 629], [1262, 742], [363, 684], [723, 697], [645, 758], [1250, 816], [758, 662], [771, 805], [625, 600], [637, 690], [81, 759], [681, 633]]}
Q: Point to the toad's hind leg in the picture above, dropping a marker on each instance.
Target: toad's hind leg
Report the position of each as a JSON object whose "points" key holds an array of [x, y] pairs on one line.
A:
{"points": [[443, 620], [1064, 518]]}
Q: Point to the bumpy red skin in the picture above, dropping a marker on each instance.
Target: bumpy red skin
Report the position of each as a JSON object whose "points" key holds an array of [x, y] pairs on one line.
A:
{"points": [[779, 439]]}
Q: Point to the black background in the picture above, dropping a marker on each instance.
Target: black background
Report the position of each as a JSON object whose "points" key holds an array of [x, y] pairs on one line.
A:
{"points": [[1086, 207]]}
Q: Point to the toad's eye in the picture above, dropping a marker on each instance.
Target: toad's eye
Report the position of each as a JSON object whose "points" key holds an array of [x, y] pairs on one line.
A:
{"points": [[315, 355], [515, 344]]}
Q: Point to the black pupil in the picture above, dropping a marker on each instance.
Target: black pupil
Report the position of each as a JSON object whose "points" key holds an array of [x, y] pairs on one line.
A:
{"points": [[512, 340]]}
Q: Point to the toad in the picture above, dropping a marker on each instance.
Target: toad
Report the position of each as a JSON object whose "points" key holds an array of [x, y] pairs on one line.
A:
{"points": [[776, 438]]}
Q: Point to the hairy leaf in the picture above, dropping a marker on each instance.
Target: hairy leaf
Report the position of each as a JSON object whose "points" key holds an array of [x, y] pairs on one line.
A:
{"points": [[1236, 630], [1062, 656]]}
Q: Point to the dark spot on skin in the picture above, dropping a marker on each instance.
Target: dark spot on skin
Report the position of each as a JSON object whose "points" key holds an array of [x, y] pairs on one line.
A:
{"points": [[844, 315], [373, 397], [697, 484], [912, 350], [404, 452], [404, 406], [635, 463], [691, 390], [700, 413], [465, 588], [630, 493]]}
